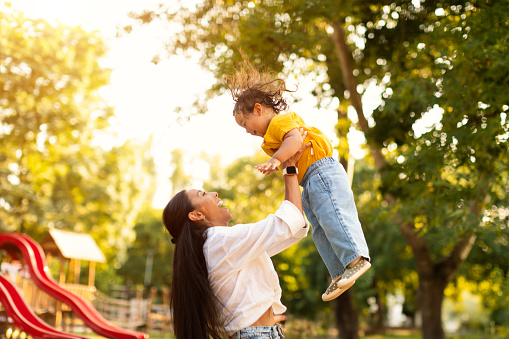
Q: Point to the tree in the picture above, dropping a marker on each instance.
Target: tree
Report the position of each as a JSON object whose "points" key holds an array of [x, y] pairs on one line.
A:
{"points": [[452, 176], [53, 172], [178, 178], [151, 240], [394, 271], [442, 57]]}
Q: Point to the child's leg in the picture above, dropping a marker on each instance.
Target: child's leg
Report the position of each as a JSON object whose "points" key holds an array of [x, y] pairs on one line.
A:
{"points": [[334, 266], [330, 207], [329, 199]]}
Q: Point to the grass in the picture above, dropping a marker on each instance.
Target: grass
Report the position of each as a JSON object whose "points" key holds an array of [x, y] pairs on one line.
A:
{"points": [[318, 336], [294, 334]]}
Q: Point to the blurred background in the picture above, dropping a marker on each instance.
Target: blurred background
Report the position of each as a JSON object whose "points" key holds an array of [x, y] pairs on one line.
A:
{"points": [[108, 108]]}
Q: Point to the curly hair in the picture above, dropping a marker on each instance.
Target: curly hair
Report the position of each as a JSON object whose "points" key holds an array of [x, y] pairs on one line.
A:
{"points": [[248, 87]]}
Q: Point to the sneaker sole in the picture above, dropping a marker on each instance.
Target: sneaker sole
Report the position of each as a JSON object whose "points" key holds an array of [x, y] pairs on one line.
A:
{"points": [[337, 293], [356, 275]]}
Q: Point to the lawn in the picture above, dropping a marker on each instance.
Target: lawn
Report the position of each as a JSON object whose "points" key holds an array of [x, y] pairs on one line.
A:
{"points": [[391, 334], [386, 336]]}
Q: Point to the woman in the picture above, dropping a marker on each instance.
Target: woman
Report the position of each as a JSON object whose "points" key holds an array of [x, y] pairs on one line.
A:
{"points": [[223, 280]]}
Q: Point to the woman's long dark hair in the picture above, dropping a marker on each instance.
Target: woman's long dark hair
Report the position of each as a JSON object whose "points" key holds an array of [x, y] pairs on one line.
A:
{"points": [[194, 305]]}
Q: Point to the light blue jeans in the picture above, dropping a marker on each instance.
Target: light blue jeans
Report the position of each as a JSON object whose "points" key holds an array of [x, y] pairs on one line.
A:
{"points": [[262, 332], [329, 206]]}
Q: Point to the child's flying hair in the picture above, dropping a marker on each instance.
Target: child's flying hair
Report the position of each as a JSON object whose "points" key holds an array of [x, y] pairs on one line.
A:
{"points": [[248, 87]]}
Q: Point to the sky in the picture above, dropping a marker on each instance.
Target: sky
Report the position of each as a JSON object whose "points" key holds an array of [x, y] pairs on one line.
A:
{"points": [[145, 95]]}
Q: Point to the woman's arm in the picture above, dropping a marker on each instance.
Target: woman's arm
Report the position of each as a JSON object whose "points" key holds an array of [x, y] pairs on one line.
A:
{"points": [[293, 195], [239, 245], [292, 191], [292, 188]]}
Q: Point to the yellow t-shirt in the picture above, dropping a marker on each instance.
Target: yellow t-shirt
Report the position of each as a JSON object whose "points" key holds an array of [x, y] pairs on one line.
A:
{"points": [[285, 122]]}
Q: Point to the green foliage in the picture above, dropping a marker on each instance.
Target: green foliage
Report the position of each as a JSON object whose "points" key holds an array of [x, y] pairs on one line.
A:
{"points": [[451, 180], [52, 172], [282, 36], [453, 177], [151, 240], [179, 179]]}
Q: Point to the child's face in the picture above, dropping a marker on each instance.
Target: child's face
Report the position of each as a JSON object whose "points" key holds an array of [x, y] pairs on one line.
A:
{"points": [[255, 123]]}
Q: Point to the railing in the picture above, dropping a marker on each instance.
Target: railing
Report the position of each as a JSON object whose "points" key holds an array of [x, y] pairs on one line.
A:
{"points": [[160, 317], [84, 291], [130, 314], [40, 301]]}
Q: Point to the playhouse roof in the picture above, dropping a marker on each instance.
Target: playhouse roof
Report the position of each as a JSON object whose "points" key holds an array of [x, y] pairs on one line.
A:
{"points": [[72, 245]]}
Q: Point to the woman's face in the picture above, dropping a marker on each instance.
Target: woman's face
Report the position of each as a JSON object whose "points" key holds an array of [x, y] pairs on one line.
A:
{"points": [[208, 208]]}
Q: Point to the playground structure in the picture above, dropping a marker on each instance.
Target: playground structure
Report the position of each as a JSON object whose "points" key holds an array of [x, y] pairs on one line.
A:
{"points": [[22, 315], [35, 300]]}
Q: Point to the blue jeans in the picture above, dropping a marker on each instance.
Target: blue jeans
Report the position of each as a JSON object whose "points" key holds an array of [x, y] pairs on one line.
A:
{"points": [[328, 202], [262, 332]]}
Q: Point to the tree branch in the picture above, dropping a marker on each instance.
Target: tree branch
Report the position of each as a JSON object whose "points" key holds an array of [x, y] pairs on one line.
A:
{"points": [[346, 62], [420, 249], [459, 253]]}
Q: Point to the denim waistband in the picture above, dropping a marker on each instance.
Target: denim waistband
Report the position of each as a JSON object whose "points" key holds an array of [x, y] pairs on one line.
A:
{"points": [[314, 166], [275, 331]]}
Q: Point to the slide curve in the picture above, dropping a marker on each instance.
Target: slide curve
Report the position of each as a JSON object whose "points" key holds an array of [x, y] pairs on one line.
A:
{"points": [[24, 317], [34, 257]]}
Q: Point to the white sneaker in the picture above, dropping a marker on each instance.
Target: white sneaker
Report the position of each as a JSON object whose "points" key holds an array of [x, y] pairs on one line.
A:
{"points": [[334, 291], [339, 285], [353, 273]]}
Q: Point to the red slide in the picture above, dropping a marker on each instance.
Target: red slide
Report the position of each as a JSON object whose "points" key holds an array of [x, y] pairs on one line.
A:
{"points": [[34, 257], [23, 317]]}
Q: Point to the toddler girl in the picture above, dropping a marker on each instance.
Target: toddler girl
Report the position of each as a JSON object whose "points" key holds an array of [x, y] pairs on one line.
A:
{"points": [[327, 197]]}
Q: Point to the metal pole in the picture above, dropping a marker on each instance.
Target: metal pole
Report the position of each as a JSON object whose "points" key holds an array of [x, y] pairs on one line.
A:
{"points": [[148, 268]]}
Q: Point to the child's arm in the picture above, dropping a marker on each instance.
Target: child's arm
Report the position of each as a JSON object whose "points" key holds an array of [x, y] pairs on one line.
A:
{"points": [[292, 142]]}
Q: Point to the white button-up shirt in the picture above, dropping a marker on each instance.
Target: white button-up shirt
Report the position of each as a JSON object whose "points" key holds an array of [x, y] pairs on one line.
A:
{"points": [[241, 272]]}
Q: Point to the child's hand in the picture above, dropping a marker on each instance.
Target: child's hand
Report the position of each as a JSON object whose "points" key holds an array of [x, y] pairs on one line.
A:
{"points": [[269, 167]]}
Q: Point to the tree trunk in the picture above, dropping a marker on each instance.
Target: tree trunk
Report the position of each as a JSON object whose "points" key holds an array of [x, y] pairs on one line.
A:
{"points": [[378, 325], [347, 319], [346, 315], [433, 278], [430, 296]]}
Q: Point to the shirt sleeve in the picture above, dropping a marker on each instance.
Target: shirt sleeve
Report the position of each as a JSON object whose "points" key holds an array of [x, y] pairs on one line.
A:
{"points": [[242, 243], [283, 245]]}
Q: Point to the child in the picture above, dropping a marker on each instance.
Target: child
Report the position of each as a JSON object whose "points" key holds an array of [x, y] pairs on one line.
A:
{"points": [[327, 197]]}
